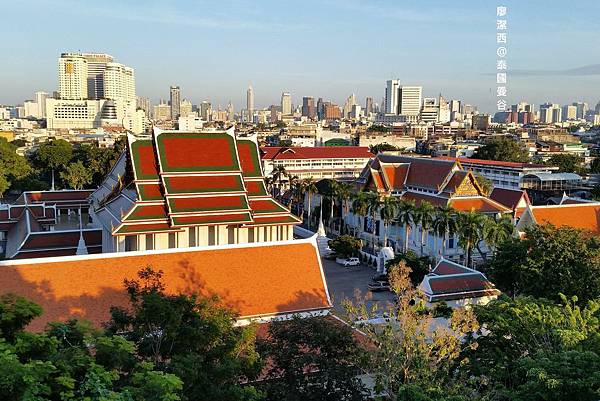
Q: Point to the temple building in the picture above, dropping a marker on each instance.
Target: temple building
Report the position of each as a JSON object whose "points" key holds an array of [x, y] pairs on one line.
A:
{"points": [[440, 182], [582, 216], [178, 190]]}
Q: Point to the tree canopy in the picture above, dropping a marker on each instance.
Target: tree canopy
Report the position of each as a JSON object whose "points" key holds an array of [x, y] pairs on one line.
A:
{"points": [[502, 149], [567, 163]]}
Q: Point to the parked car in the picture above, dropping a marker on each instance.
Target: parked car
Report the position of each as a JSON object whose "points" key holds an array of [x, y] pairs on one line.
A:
{"points": [[348, 262], [379, 286], [379, 277]]}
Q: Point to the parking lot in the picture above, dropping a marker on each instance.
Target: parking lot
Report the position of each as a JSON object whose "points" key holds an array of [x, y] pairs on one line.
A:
{"points": [[343, 282]]}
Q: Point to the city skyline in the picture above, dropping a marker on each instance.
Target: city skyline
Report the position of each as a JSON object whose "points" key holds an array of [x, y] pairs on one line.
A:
{"points": [[294, 61]]}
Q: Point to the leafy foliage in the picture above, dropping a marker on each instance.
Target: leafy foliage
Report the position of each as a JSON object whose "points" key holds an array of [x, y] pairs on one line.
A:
{"points": [[502, 149], [345, 245], [311, 359], [567, 163], [76, 175]]}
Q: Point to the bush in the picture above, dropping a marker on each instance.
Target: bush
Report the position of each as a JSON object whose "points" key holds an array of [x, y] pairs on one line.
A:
{"points": [[441, 309], [345, 245]]}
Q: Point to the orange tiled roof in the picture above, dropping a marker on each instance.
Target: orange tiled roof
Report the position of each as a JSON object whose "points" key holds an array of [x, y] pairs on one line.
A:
{"points": [[478, 204], [582, 216], [255, 280]]}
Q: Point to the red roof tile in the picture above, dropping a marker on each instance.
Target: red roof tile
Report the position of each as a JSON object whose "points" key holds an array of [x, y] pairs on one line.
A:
{"points": [[207, 203], [253, 280], [204, 183], [318, 152], [493, 162], [212, 219], [197, 152], [509, 197]]}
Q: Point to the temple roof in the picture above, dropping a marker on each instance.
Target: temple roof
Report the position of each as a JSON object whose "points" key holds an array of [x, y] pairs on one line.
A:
{"points": [[255, 280], [179, 179]]}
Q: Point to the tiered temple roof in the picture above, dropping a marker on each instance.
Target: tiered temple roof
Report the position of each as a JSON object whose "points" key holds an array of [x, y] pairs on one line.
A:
{"points": [[421, 179], [179, 179]]}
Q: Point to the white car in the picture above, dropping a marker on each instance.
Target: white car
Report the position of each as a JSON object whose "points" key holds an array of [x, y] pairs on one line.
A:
{"points": [[348, 262]]}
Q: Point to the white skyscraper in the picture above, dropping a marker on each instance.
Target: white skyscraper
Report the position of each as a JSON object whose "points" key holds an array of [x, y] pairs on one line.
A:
{"points": [[97, 63], [286, 103], [409, 100], [119, 82], [391, 96], [72, 76], [40, 99], [250, 103]]}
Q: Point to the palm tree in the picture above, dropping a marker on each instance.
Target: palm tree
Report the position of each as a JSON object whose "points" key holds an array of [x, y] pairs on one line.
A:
{"points": [[298, 194], [444, 224], [374, 203], [333, 188], [424, 216], [360, 207], [278, 174], [496, 231], [469, 232], [406, 216], [310, 188], [344, 193], [388, 212]]}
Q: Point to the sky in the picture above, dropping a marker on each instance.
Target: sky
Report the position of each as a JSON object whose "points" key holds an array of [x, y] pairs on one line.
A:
{"points": [[325, 48]]}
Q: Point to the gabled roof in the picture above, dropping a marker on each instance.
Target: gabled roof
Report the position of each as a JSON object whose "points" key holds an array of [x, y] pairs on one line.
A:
{"points": [[177, 179], [478, 204], [584, 216], [451, 281], [256, 280], [510, 198], [317, 152]]}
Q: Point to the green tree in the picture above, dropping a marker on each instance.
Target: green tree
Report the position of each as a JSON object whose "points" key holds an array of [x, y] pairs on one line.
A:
{"points": [[388, 213], [99, 161], [503, 149], [76, 175], [374, 204], [567, 163], [360, 206], [444, 224], [344, 193], [310, 189], [192, 337], [406, 217], [311, 359], [495, 231], [485, 183], [12, 166], [382, 147], [345, 245], [424, 218], [548, 261], [470, 225], [54, 155]]}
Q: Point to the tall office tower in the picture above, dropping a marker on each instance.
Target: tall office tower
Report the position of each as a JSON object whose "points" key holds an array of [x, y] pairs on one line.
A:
{"points": [[569, 112], [205, 110], [409, 99], [40, 99], [144, 104], [350, 102], [320, 109], [119, 83], [429, 112], [185, 108], [175, 102], [368, 105], [230, 112], [454, 106], [582, 109], [72, 76], [444, 114], [250, 103], [391, 96], [95, 78], [308, 107], [286, 103], [161, 112], [550, 113]]}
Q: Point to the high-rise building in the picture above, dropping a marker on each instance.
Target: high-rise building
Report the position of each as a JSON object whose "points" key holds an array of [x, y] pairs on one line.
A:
{"points": [[95, 77], [119, 83], [286, 103], [205, 110], [444, 115], [250, 103], [332, 111], [350, 102], [409, 100], [72, 76], [308, 107], [368, 106], [582, 108], [185, 108], [550, 113], [175, 93], [144, 104], [320, 109], [569, 112], [391, 96], [230, 112], [455, 106], [429, 112], [40, 99]]}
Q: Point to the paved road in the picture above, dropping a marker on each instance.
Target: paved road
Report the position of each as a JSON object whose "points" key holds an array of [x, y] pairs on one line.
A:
{"points": [[344, 281]]}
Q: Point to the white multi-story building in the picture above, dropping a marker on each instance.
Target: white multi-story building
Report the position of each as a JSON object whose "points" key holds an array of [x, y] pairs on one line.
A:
{"points": [[286, 103], [65, 114], [409, 99], [391, 96], [40, 99], [72, 76], [250, 103], [97, 63], [119, 83]]}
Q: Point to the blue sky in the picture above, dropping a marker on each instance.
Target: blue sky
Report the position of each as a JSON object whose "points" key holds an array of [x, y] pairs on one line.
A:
{"points": [[323, 48]]}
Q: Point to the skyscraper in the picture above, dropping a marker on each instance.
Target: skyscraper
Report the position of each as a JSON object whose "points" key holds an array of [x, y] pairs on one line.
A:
{"points": [[119, 83], [582, 109], [286, 103], [391, 96], [205, 110], [250, 103], [40, 99], [95, 77], [350, 102], [368, 105], [320, 109], [409, 100], [72, 76], [308, 107], [175, 102]]}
